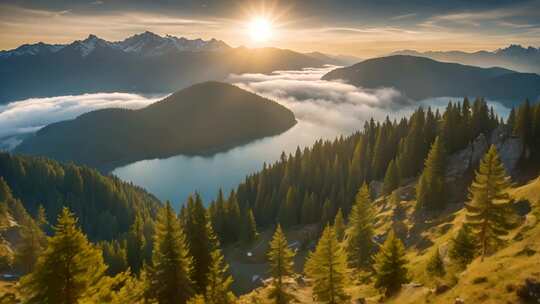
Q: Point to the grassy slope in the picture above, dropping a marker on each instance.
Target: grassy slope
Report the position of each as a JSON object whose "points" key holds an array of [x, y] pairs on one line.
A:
{"points": [[504, 271]]}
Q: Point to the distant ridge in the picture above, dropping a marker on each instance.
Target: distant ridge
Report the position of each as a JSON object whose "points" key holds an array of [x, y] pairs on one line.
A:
{"points": [[421, 78], [515, 57]]}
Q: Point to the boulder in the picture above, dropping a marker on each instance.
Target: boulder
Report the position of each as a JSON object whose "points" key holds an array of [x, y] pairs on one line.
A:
{"points": [[522, 207], [441, 288], [459, 301], [530, 291]]}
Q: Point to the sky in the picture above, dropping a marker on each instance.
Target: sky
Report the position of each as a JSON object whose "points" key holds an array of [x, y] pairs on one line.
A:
{"points": [[353, 27]]}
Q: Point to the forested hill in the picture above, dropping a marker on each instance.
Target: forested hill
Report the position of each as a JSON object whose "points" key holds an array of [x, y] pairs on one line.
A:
{"points": [[421, 78], [106, 206], [202, 119]]}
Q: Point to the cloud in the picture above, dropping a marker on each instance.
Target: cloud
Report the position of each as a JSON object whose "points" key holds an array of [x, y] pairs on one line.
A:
{"points": [[335, 104], [27, 116]]}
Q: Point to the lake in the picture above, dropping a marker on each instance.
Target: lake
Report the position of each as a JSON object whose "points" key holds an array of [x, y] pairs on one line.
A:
{"points": [[175, 178]]}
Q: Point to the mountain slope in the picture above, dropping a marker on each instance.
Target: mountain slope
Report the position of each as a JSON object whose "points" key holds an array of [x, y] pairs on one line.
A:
{"points": [[144, 63], [515, 57], [421, 78], [201, 119]]}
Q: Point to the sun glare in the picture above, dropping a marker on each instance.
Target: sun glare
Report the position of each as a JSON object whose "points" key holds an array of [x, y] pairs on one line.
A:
{"points": [[260, 29]]}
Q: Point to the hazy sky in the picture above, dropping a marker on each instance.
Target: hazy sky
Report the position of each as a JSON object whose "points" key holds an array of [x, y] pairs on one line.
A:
{"points": [[362, 28]]}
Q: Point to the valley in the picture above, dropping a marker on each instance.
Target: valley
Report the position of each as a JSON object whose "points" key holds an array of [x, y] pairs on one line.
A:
{"points": [[269, 152]]}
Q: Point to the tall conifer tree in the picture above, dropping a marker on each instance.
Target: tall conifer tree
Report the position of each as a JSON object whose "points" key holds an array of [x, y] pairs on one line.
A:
{"points": [[489, 208], [391, 178], [67, 269], [327, 267], [430, 190], [136, 245], [359, 242], [200, 238], [280, 257], [390, 266], [169, 280]]}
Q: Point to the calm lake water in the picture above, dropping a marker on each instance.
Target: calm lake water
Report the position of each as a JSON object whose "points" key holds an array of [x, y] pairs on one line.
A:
{"points": [[175, 178]]}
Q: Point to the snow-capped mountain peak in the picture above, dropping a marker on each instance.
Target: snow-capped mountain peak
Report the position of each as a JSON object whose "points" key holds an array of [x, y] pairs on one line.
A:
{"points": [[145, 44], [32, 49]]}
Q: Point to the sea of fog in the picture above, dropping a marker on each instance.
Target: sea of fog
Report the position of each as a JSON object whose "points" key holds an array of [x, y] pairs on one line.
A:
{"points": [[324, 110]]}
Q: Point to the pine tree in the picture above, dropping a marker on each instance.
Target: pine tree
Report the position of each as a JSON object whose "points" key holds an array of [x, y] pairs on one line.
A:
{"points": [[435, 265], [339, 225], [327, 213], [430, 190], [249, 228], [391, 178], [390, 266], [288, 215], [511, 121], [280, 258], [218, 281], [67, 269], [523, 122], [136, 245], [201, 240], [463, 247], [41, 218], [169, 276], [489, 208], [359, 242], [327, 267]]}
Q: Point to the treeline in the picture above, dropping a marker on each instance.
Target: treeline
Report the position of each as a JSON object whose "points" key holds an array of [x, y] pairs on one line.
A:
{"points": [[312, 185], [105, 205]]}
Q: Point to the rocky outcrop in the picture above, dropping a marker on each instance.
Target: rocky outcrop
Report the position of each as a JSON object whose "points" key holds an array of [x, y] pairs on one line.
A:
{"points": [[510, 150], [510, 147]]}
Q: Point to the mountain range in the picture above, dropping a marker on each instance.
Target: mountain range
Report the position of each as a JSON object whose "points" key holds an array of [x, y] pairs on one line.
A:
{"points": [[202, 119], [420, 78], [515, 57], [143, 63]]}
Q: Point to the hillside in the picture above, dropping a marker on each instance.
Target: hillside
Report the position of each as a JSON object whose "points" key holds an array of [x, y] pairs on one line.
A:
{"points": [[201, 119], [494, 280], [143, 63], [421, 78], [106, 206]]}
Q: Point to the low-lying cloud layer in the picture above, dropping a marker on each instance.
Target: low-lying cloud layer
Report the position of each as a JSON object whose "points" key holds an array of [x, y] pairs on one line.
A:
{"points": [[336, 104], [332, 103], [27, 116]]}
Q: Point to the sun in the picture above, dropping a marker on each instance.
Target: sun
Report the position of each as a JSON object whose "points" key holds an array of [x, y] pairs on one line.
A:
{"points": [[260, 29]]}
